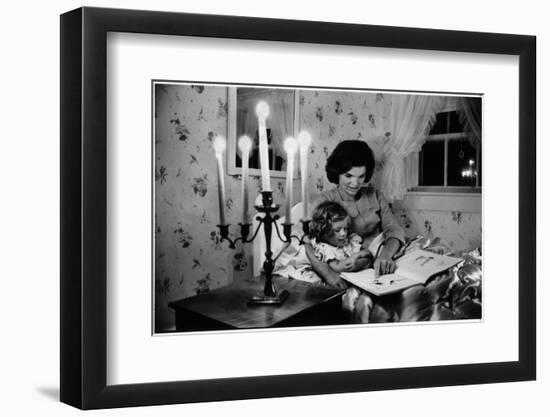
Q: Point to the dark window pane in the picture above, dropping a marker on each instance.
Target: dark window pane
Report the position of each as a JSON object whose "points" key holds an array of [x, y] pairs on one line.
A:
{"points": [[440, 125], [462, 168], [431, 163], [276, 161], [254, 161], [447, 122], [455, 126]]}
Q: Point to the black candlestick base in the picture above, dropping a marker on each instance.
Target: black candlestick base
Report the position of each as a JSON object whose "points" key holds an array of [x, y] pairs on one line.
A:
{"points": [[262, 299], [270, 295]]}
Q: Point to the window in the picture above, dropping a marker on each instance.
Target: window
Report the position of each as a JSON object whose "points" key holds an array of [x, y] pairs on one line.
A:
{"points": [[448, 160], [242, 120], [277, 159]]}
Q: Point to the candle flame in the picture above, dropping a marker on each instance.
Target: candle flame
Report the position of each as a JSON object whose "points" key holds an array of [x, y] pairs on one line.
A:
{"points": [[262, 110], [245, 143], [290, 145], [219, 144], [304, 139]]}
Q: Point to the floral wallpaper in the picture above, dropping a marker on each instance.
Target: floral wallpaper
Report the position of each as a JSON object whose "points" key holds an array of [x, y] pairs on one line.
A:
{"points": [[461, 230], [333, 116], [189, 257]]}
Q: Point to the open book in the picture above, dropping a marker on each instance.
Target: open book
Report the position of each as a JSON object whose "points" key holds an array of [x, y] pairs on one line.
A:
{"points": [[413, 268]]}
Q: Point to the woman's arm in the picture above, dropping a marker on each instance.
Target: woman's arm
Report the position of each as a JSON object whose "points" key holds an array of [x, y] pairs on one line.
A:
{"points": [[390, 225], [384, 263], [394, 235], [323, 269]]}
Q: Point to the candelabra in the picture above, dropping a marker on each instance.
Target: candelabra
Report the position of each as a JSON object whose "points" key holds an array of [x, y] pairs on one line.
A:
{"points": [[270, 294]]}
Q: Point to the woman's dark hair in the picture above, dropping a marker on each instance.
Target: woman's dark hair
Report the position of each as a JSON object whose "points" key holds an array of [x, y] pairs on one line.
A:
{"points": [[349, 154], [324, 215]]}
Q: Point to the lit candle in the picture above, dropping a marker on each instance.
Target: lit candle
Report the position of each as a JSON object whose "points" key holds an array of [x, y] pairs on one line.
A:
{"points": [[219, 148], [304, 140], [244, 145], [262, 111], [290, 146]]}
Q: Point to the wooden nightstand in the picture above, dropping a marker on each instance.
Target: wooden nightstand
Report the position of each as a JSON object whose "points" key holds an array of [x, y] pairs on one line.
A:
{"points": [[228, 308]]}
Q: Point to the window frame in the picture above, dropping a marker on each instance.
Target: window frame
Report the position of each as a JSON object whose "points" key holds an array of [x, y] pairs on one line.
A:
{"points": [[412, 164], [232, 148]]}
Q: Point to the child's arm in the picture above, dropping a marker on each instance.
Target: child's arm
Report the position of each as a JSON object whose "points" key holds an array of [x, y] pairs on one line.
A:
{"points": [[355, 262], [345, 265], [329, 275]]}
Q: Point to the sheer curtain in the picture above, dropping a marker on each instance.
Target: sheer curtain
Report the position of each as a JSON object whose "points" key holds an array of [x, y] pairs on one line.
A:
{"points": [[411, 118], [281, 118], [247, 122], [469, 111]]}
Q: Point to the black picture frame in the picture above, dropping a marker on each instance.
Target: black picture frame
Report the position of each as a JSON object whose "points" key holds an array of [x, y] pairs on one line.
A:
{"points": [[84, 207]]}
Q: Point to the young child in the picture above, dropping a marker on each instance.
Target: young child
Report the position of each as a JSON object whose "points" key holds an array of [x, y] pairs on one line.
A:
{"points": [[334, 244], [331, 239]]}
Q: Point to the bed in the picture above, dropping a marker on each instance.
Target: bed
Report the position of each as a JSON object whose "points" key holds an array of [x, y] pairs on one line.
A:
{"points": [[455, 294]]}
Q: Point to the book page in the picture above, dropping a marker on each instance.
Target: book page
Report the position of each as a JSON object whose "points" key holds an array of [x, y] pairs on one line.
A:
{"points": [[420, 264], [414, 268], [384, 284]]}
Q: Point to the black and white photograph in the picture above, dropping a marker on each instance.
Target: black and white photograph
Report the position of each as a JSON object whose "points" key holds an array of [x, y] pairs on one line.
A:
{"points": [[280, 206], [247, 208]]}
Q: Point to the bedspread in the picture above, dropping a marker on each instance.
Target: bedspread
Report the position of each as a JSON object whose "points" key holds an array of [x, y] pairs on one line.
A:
{"points": [[453, 295]]}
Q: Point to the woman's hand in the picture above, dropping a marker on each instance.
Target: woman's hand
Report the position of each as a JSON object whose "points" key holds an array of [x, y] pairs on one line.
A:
{"points": [[383, 266], [363, 260]]}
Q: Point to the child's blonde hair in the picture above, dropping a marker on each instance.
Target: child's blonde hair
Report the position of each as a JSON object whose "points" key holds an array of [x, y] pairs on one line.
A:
{"points": [[324, 215]]}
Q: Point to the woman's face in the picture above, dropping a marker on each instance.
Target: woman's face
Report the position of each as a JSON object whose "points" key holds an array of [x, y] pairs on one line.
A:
{"points": [[351, 181]]}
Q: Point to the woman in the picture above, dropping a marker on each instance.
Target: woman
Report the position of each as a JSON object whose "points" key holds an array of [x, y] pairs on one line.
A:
{"points": [[350, 167]]}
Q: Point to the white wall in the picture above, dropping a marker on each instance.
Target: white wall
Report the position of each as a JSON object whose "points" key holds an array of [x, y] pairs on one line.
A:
{"points": [[29, 173]]}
